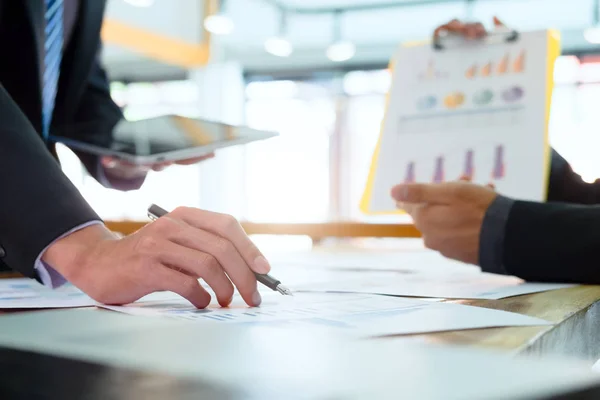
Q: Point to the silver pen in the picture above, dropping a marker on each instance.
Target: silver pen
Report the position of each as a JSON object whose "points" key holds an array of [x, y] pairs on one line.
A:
{"points": [[155, 212]]}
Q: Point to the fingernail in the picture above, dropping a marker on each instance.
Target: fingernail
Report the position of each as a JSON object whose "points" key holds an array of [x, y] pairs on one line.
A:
{"points": [[256, 299], [261, 265]]}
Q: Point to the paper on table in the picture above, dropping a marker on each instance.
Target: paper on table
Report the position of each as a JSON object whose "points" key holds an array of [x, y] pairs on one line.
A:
{"points": [[402, 261], [458, 286], [359, 315], [27, 293]]}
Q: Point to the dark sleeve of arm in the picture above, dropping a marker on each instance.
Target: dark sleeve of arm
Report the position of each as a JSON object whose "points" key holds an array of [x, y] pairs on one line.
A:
{"points": [[37, 202], [566, 186], [491, 238], [553, 242], [95, 117]]}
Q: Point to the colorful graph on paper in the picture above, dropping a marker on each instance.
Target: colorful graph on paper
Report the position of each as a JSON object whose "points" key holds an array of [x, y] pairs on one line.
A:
{"points": [[476, 111]]}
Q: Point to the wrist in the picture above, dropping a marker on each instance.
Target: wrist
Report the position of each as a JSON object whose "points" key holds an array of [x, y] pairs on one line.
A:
{"points": [[69, 255], [124, 172]]}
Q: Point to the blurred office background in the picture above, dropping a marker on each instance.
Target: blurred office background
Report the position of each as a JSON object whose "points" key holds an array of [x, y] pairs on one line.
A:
{"points": [[315, 71]]}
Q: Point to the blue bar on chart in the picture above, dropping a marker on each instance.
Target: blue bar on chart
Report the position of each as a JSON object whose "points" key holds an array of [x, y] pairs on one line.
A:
{"points": [[499, 169], [438, 176]]}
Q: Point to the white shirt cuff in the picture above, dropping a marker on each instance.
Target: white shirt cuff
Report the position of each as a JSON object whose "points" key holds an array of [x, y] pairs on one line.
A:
{"points": [[48, 275], [118, 184]]}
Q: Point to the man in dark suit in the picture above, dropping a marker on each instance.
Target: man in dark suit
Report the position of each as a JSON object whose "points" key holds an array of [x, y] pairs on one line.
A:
{"points": [[552, 241], [51, 82]]}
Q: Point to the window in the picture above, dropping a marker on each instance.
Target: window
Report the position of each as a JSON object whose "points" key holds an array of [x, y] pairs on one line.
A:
{"points": [[316, 169], [287, 178], [575, 121]]}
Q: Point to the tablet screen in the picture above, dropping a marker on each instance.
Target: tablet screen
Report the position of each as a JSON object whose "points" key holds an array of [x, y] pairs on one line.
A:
{"points": [[172, 133]]}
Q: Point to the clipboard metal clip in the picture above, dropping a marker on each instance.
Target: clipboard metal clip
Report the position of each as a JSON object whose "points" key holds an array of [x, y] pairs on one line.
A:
{"points": [[508, 36]]}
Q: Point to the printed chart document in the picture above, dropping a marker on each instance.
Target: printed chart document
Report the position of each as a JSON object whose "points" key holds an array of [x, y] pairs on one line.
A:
{"points": [[360, 315], [304, 268], [477, 109], [27, 293], [403, 261], [422, 273], [448, 286]]}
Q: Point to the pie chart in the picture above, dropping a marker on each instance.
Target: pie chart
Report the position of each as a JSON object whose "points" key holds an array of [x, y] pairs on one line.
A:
{"points": [[483, 97], [513, 94], [454, 100], [426, 103]]}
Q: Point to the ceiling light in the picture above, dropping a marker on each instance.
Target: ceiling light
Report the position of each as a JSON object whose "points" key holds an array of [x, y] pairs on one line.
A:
{"points": [[341, 51], [279, 46], [140, 3], [592, 35], [218, 24]]}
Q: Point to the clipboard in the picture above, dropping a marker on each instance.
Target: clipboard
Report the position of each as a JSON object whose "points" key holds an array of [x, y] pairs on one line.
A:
{"points": [[439, 45]]}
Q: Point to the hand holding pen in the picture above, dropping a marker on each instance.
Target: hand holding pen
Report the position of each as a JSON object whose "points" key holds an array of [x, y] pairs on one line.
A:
{"points": [[227, 255], [170, 254]]}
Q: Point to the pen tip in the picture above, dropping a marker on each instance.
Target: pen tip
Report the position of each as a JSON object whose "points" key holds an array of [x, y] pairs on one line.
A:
{"points": [[283, 290]]}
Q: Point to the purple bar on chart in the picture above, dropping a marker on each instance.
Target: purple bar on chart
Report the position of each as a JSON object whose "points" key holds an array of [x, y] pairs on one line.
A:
{"points": [[410, 173], [438, 176], [469, 171], [499, 163]]}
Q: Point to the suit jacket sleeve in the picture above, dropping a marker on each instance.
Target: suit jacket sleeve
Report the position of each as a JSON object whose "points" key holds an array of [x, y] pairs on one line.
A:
{"points": [[95, 117], [566, 186], [554, 242], [38, 203]]}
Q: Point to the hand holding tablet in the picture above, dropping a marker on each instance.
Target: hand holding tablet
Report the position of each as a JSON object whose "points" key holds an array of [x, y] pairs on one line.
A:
{"points": [[155, 143]]}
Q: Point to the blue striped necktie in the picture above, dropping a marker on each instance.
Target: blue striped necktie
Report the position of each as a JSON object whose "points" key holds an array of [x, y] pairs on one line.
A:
{"points": [[53, 46]]}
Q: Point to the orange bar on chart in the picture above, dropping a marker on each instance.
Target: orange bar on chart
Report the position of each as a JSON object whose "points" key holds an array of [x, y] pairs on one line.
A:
{"points": [[503, 66], [487, 69], [519, 64], [471, 72]]}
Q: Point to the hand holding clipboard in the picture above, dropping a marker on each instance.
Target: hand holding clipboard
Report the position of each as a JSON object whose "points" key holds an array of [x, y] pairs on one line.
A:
{"points": [[469, 31]]}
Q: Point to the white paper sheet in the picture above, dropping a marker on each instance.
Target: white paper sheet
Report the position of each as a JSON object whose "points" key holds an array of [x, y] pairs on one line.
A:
{"points": [[476, 110], [27, 293], [359, 315], [414, 273], [409, 261], [449, 286]]}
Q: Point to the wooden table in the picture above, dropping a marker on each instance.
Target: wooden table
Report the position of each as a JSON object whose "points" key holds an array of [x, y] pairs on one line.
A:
{"points": [[112, 356], [575, 311]]}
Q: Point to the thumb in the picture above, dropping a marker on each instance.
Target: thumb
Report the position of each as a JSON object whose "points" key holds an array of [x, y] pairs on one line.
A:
{"points": [[417, 193], [498, 23]]}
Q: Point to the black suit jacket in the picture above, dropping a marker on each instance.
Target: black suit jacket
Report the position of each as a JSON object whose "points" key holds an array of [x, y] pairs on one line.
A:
{"points": [[558, 240], [37, 201]]}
